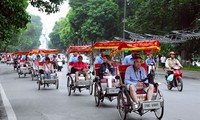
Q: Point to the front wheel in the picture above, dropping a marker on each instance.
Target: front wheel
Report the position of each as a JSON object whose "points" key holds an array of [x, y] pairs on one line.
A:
{"points": [[159, 112], [39, 83], [57, 84], [179, 83], [122, 109], [91, 88], [169, 85]]}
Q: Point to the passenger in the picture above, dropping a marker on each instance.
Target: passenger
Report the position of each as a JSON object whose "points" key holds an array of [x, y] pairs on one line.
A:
{"points": [[80, 68], [48, 68], [36, 62], [27, 62], [129, 59], [107, 70], [133, 76], [99, 59]]}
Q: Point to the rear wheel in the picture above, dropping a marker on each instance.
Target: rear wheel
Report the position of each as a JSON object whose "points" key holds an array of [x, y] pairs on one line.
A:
{"points": [[179, 83], [69, 85], [122, 109], [97, 94]]}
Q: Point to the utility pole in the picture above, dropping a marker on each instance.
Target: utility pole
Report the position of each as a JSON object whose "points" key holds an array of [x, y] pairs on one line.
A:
{"points": [[124, 20], [124, 25]]}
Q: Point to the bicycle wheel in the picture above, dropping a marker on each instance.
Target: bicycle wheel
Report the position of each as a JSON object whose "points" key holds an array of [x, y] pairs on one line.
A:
{"points": [[97, 94], [69, 85], [122, 109]]}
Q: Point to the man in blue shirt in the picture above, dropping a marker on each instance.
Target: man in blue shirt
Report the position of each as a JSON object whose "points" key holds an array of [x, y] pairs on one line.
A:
{"points": [[99, 59], [129, 59], [74, 57], [150, 63], [133, 76]]}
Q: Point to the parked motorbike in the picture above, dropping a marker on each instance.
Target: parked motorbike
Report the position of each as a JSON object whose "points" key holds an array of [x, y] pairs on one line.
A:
{"points": [[174, 78]]}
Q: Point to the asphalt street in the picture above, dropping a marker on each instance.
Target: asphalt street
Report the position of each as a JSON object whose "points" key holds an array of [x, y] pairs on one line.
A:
{"points": [[29, 103]]}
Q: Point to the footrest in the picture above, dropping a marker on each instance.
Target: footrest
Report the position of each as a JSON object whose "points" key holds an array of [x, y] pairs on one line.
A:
{"points": [[112, 90], [149, 105], [83, 82]]}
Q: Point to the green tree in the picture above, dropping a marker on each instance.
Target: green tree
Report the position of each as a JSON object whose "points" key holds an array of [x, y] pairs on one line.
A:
{"points": [[25, 39], [55, 39]]}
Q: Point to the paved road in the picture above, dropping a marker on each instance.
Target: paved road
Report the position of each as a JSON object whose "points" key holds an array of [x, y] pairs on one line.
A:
{"points": [[50, 104]]}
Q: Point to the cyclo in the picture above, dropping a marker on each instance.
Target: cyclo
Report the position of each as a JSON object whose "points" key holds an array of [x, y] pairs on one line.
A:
{"points": [[125, 104], [35, 64], [53, 76], [101, 89], [23, 68], [81, 83]]}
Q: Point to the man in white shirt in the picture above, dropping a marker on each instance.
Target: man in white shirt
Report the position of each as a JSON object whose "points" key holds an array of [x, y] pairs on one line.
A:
{"points": [[163, 60]]}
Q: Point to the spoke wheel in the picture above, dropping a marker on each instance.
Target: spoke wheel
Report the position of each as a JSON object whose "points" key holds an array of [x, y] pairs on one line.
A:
{"points": [[97, 94], [69, 85], [57, 84], [39, 82], [120, 105], [159, 112], [91, 88], [179, 83]]}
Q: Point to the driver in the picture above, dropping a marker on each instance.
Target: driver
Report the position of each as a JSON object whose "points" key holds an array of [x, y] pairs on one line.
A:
{"points": [[171, 62], [99, 59], [133, 76], [80, 68], [150, 61], [129, 59]]}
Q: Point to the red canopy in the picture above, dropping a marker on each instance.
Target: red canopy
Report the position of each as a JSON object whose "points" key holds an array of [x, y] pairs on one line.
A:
{"points": [[43, 51], [107, 45], [22, 53], [148, 46], [85, 49]]}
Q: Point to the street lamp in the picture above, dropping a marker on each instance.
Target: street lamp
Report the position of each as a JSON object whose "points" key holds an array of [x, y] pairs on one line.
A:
{"points": [[77, 38]]}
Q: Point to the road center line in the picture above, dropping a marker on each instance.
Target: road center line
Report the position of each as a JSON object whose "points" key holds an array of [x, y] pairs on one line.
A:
{"points": [[9, 110]]}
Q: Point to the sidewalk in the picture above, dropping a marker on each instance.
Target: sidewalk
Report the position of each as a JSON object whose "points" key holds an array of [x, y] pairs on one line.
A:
{"points": [[186, 73]]}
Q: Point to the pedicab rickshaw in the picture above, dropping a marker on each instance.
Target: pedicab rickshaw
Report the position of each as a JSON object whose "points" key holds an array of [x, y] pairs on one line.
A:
{"points": [[9, 58], [35, 70], [81, 83], [99, 92], [23, 68], [124, 102], [53, 77]]}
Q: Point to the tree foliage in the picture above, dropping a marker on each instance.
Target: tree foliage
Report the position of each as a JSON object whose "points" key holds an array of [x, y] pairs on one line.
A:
{"points": [[25, 39], [95, 20], [14, 20]]}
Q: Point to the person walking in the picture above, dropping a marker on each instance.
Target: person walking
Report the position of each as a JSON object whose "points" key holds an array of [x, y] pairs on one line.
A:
{"points": [[163, 60]]}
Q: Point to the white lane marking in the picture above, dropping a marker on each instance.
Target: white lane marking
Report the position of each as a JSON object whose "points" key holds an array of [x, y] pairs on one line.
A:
{"points": [[195, 84], [9, 110]]}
